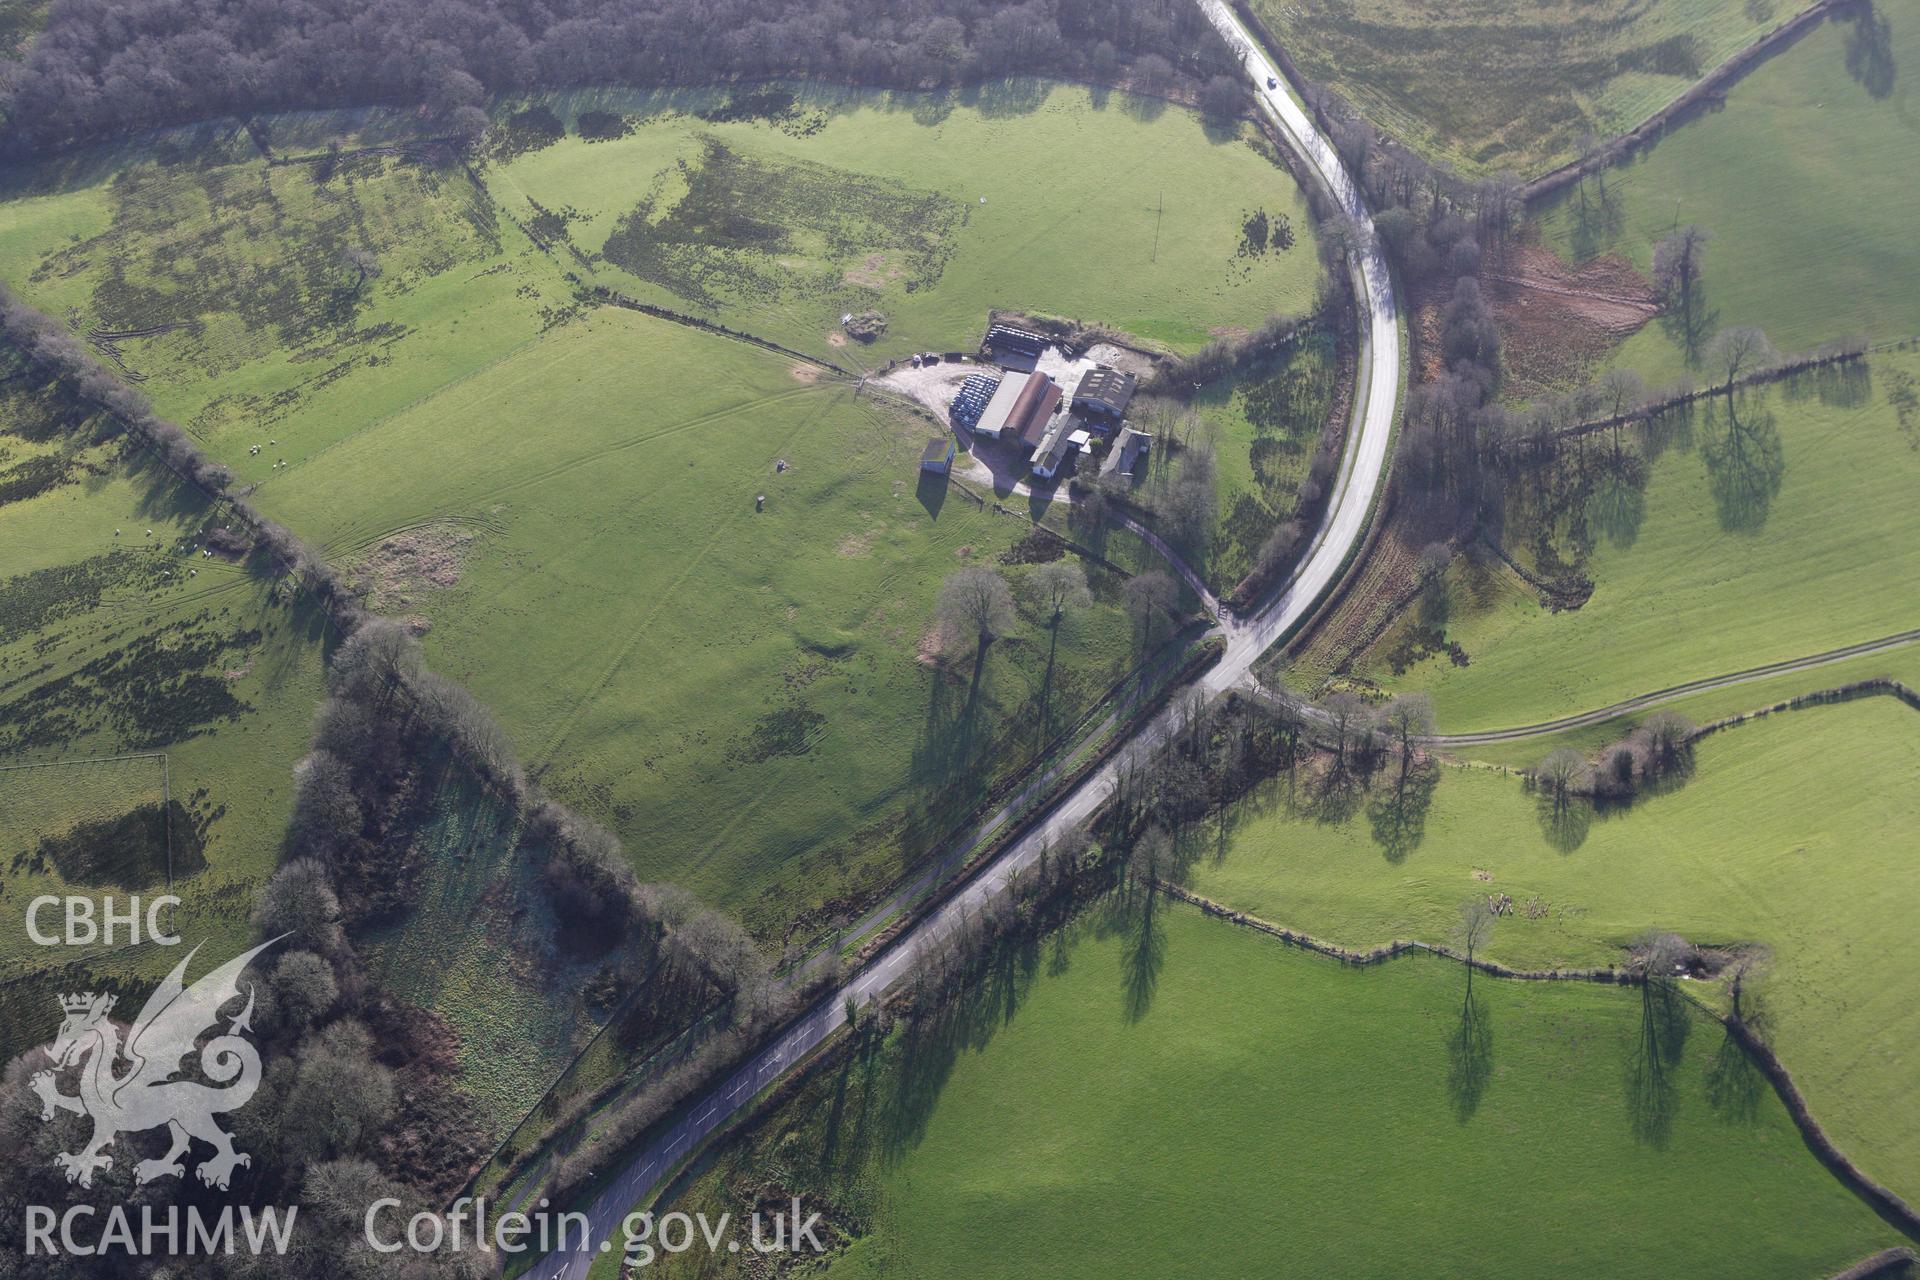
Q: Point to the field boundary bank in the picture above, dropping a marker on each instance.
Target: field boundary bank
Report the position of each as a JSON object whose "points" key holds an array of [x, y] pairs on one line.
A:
{"points": [[1609, 976], [1784, 371], [1895, 1211], [614, 298], [1705, 93], [1567, 594], [1641, 702], [1884, 1263], [1872, 687]]}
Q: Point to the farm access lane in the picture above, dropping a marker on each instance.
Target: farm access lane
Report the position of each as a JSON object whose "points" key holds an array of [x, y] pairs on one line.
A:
{"points": [[1362, 472], [1673, 693]]}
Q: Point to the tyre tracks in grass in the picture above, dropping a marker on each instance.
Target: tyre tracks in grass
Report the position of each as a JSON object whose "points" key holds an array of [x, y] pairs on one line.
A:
{"points": [[1672, 693]]}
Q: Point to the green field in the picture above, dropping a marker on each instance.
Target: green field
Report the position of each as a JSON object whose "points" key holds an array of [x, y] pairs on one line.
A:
{"points": [[1776, 540], [117, 636], [1740, 853], [737, 692], [1045, 198], [1108, 1104], [564, 494], [1514, 86], [1810, 241]]}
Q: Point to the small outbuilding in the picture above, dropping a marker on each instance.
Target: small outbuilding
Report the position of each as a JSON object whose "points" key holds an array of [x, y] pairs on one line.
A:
{"points": [[938, 456]]}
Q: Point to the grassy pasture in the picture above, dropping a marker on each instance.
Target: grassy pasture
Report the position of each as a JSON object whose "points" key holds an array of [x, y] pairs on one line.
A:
{"points": [[1739, 853], [1514, 86], [1109, 1104], [218, 282], [1048, 198], [392, 411], [1773, 533], [1804, 181], [737, 692], [134, 643]]}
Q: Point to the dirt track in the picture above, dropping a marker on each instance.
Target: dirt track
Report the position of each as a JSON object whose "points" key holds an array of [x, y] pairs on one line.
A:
{"points": [[1647, 700]]}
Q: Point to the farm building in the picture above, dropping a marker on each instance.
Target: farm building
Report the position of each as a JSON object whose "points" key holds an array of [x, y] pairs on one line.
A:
{"points": [[1031, 419], [1065, 438], [1103, 395], [992, 420], [1128, 450], [937, 457]]}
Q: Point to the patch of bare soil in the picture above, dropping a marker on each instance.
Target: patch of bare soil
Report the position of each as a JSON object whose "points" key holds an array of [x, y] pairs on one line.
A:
{"points": [[859, 544], [836, 339], [403, 567], [804, 373], [933, 643], [876, 271], [1557, 320]]}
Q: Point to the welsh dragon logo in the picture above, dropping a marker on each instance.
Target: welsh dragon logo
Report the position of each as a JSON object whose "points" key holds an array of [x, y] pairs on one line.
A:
{"points": [[144, 1095]]}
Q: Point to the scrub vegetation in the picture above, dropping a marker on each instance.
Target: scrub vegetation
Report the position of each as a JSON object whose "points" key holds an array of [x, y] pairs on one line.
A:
{"points": [[1514, 86]]}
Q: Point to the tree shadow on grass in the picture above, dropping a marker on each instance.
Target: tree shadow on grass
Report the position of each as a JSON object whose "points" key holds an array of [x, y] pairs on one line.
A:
{"points": [[1564, 819], [1690, 323], [1144, 957], [1617, 503], [1734, 1084], [1331, 798], [1597, 219], [931, 1043], [1660, 1039], [1845, 385], [1469, 1055], [1398, 815], [1870, 51], [1745, 463]]}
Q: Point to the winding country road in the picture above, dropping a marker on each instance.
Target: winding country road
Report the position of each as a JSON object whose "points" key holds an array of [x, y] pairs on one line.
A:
{"points": [[1362, 472]]}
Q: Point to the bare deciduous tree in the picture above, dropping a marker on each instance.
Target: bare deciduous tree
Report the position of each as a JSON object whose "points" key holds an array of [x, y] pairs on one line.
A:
{"points": [[1668, 733], [1677, 263], [1740, 350], [1408, 717], [1473, 928], [1151, 598], [1343, 712], [976, 599], [1657, 955], [1558, 773], [1059, 587], [362, 262]]}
